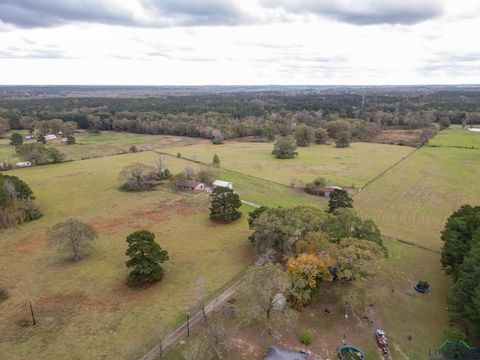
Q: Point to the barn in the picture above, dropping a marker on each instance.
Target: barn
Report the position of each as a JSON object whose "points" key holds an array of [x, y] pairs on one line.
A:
{"points": [[223, 184]]}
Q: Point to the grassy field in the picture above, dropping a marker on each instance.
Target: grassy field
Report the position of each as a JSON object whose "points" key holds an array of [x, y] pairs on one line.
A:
{"points": [[399, 310], [354, 165], [111, 142], [413, 200], [456, 136], [86, 309], [105, 144]]}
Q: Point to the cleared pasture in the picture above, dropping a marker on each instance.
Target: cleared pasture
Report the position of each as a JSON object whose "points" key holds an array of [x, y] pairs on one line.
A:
{"points": [[456, 136], [111, 142], [413, 200], [85, 310], [354, 165]]}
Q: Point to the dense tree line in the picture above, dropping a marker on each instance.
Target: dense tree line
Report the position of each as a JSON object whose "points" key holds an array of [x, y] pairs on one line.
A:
{"points": [[17, 202], [461, 259], [262, 115]]}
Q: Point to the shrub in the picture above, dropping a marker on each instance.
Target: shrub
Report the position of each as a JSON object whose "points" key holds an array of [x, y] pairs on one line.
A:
{"points": [[306, 338], [71, 139], [133, 149], [3, 294]]}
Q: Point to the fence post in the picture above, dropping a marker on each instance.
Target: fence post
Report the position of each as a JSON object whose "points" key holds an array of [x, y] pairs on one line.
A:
{"points": [[33, 315]]}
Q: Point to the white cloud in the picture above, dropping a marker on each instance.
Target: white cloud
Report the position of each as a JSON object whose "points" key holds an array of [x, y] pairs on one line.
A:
{"points": [[274, 45]]}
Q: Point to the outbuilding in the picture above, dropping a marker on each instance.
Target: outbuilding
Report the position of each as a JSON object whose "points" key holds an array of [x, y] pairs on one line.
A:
{"points": [[50, 137], [328, 190], [194, 185], [223, 184], [276, 353], [23, 164]]}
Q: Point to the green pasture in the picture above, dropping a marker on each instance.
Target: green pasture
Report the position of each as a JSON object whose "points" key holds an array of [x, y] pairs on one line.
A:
{"points": [[355, 165], [456, 136]]}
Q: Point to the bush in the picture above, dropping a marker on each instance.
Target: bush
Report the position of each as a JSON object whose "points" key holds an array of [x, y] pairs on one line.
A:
{"points": [[133, 149], [3, 294], [306, 338], [71, 140]]}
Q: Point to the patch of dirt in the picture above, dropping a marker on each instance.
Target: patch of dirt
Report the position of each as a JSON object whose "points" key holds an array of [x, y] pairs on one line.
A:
{"points": [[398, 137], [142, 218], [25, 245]]}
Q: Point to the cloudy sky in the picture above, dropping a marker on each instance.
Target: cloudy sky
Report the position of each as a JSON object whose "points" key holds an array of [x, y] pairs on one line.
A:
{"points": [[195, 42]]}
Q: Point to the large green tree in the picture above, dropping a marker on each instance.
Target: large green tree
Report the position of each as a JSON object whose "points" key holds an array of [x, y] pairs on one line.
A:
{"points": [[460, 230], [224, 205], [342, 140], [304, 135], [464, 297], [339, 199], [145, 257], [16, 139], [285, 148]]}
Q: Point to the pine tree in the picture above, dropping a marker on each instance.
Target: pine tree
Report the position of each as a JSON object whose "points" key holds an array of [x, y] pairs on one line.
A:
{"points": [[145, 258]]}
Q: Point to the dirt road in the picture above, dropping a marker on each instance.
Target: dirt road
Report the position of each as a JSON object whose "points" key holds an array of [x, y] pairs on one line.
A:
{"points": [[195, 319]]}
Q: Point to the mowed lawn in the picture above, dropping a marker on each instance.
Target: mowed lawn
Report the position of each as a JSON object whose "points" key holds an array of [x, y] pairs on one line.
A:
{"points": [[85, 310], [413, 200], [456, 136], [354, 165]]}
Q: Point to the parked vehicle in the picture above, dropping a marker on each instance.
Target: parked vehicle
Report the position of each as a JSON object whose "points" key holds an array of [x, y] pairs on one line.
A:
{"points": [[382, 340], [23, 164]]}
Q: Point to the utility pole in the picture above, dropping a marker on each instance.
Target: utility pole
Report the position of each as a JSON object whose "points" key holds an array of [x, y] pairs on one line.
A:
{"points": [[188, 323], [33, 315]]}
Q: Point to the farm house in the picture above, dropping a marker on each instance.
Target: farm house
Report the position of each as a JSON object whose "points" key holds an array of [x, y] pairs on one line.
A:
{"points": [[224, 184], [194, 185]]}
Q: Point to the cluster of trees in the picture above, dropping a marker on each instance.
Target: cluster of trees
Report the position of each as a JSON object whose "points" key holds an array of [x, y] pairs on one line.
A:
{"points": [[461, 259], [140, 177], [73, 240], [17, 202], [39, 154], [315, 187], [308, 119], [316, 246]]}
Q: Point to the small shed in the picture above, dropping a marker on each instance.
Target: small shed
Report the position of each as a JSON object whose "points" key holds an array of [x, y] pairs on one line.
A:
{"points": [[276, 353], [328, 190], [50, 137], [224, 184], [193, 185]]}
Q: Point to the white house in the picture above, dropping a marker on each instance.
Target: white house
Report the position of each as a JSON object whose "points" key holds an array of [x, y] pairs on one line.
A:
{"points": [[50, 137], [224, 184], [23, 164]]}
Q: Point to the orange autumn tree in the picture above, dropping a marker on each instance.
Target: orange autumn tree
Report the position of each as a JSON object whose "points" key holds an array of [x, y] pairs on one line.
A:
{"points": [[306, 271]]}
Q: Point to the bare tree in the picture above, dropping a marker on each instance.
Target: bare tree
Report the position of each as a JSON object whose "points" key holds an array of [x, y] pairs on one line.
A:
{"points": [[189, 173], [73, 239], [137, 177], [200, 295], [260, 295], [212, 342]]}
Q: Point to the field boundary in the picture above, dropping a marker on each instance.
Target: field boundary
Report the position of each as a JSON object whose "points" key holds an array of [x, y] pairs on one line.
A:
{"points": [[384, 172], [173, 337], [411, 243]]}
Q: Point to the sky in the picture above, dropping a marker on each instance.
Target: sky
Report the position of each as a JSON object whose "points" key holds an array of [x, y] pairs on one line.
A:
{"points": [[239, 42]]}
